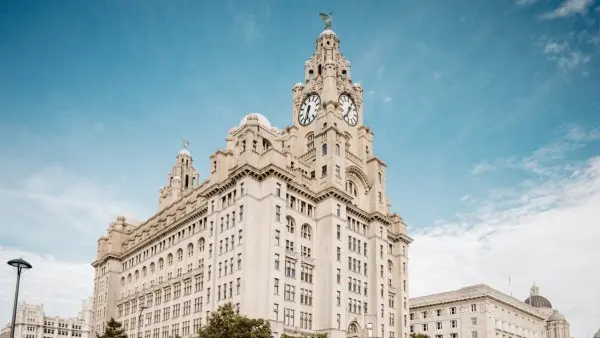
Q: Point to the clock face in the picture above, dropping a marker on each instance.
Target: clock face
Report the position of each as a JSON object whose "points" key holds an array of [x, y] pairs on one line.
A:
{"points": [[348, 109], [308, 109]]}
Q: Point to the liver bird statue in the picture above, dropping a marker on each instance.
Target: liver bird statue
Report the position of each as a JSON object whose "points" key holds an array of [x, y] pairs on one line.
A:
{"points": [[327, 19]]}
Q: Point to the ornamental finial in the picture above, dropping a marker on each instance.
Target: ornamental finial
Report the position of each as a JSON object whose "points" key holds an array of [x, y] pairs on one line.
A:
{"points": [[327, 19], [185, 143]]}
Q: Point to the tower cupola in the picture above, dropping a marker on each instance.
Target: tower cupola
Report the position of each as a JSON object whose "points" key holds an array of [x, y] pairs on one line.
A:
{"points": [[182, 177]]}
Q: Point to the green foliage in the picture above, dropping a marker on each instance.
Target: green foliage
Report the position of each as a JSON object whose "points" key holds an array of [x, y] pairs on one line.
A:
{"points": [[225, 322], [418, 335], [316, 335], [113, 329]]}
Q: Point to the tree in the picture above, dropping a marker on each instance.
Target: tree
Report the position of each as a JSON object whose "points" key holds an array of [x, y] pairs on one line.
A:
{"points": [[225, 322], [113, 329], [316, 335], [418, 335]]}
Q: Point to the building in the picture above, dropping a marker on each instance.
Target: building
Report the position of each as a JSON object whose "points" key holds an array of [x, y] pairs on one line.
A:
{"points": [[481, 312], [32, 322], [292, 225], [5, 332]]}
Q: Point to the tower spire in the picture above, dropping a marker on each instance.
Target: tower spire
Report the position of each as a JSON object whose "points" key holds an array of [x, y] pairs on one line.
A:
{"points": [[182, 177]]}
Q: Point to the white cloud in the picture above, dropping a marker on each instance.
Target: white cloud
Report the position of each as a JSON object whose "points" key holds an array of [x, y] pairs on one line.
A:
{"points": [[69, 213], [547, 160], [544, 230], [59, 285], [564, 55], [387, 99], [482, 168], [569, 8], [64, 202]]}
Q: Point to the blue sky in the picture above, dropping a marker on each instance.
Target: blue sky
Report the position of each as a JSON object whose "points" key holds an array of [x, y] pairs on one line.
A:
{"points": [[470, 102]]}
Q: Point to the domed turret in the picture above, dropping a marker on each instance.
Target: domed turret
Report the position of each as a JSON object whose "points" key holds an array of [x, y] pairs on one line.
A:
{"points": [[536, 300], [262, 120], [556, 316], [183, 176]]}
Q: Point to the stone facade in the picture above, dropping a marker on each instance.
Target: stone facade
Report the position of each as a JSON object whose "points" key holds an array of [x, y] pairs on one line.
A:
{"points": [[32, 322], [481, 312], [292, 225]]}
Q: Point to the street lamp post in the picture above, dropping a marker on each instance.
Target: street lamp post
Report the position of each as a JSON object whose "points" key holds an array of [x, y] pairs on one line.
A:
{"points": [[142, 308], [19, 264]]}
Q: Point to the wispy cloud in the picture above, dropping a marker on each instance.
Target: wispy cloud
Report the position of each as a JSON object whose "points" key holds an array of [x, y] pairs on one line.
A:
{"points": [[60, 285], [482, 168], [511, 231], [547, 160], [566, 57], [248, 26], [526, 2], [67, 209], [387, 99], [569, 8], [66, 206]]}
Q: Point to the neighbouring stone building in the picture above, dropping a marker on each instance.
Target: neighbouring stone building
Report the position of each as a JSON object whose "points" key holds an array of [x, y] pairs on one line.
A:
{"points": [[482, 312], [292, 225], [33, 322]]}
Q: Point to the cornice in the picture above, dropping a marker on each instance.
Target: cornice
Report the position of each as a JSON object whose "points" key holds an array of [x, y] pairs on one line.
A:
{"points": [[375, 158], [199, 212], [106, 257], [333, 192]]}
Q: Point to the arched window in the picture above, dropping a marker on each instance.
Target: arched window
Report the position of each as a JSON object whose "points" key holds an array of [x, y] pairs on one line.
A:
{"points": [[351, 188], [390, 266], [170, 259], [129, 278], [179, 255], [291, 224], [353, 328], [324, 149], [201, 244], [161, 263], [144, 271], [152, 267], [306, 231], [344, 74], [122, 281], [137, 275], [337, 150], [190, 250]]}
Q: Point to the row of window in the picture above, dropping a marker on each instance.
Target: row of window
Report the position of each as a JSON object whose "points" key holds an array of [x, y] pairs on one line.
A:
{"points": [[439, 312]]}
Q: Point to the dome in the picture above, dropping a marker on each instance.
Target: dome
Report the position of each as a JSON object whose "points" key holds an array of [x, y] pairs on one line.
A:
{"points": [[256, 116], [597, 335], [184, 151], [327, 32], [299, 84], [357, 85], [538, 301], [556, 316]]}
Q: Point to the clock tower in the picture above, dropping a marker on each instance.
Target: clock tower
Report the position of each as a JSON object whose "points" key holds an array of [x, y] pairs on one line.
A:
{"points": [[328, 124]]}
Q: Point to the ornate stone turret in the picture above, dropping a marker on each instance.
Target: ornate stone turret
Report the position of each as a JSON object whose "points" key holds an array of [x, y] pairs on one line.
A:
{"points": [[183, 176]]}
